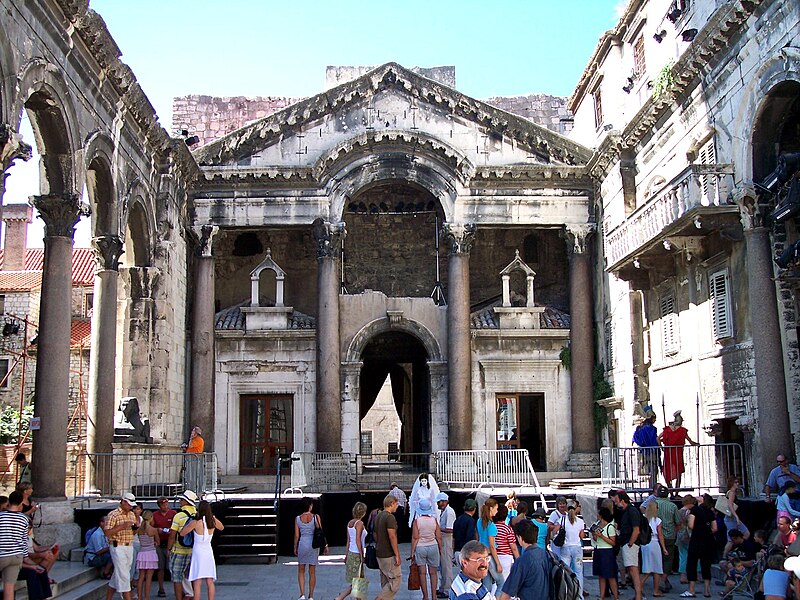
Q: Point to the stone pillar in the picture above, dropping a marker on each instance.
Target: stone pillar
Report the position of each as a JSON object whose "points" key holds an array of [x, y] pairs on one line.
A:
{"points": [[201, 403], [460, 237], [773, 411], [584, 436], [100, 426], [328, 243], [60, 213], [438, 372], [351, 407]]}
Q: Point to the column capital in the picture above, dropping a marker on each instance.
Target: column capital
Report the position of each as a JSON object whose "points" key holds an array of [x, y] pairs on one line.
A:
{"points": [[459, 236], [205, 239], [12, 147], [577, 236], [744, 195], [107, 250], [328, 237], [60, 213]]}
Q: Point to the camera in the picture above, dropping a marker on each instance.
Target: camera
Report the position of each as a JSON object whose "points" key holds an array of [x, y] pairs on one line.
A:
{"points": [[595, 527]]}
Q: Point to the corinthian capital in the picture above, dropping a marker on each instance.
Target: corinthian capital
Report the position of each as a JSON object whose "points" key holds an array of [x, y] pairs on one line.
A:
{"points": [[459, 237], [749, 211], [107, 250], [60, 213], [327, 238], [577, 235], [205, 236], [12, 147]]}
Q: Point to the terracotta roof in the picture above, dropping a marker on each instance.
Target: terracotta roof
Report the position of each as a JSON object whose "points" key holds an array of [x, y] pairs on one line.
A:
{"points": [[81, 333], [83, 265], [233, 318], [551, 318]]}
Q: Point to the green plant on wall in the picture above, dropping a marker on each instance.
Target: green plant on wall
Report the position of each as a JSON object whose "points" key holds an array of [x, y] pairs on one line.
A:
{"points": [[565, 356], [10, 420], [664, 80], [601, 388]]}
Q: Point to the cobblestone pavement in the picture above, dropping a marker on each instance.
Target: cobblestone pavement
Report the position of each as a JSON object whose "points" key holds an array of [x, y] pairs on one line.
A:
{"points": [[279, 581]]}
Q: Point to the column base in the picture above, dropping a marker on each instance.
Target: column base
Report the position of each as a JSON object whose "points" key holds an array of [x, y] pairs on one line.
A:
{"points": [[584, 464], [58, 525]]}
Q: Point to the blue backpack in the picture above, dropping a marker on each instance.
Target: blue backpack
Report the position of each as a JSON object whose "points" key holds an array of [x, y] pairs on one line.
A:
{"points": [[187, 541]]}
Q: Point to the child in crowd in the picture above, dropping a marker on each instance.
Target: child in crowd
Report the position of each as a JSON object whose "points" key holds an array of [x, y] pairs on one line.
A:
{"points": [[735, 575], [3, 503], [147, 558]]}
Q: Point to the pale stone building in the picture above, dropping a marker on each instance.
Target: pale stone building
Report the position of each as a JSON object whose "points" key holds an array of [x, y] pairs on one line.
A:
{"points": [[689, 105]]}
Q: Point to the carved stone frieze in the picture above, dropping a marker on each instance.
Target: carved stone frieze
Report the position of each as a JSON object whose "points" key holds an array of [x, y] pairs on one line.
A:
{"points": [[749, 210], [459, 237], [327, 238], [107, 250], [577, 235], [12, 147], [205, 240], [60, 213]]}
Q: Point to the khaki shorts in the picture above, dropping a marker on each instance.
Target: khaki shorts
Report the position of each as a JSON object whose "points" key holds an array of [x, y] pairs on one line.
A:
{"points": [[10, 566], [630, 555]]}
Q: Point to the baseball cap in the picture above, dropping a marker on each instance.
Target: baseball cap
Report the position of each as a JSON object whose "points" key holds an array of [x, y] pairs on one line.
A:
{"points": [[129, 498], [470, 504], [441, 496], [189, 496]]}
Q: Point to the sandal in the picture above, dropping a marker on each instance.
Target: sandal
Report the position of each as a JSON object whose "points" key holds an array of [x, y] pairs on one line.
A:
{"points": [[687, 594]]}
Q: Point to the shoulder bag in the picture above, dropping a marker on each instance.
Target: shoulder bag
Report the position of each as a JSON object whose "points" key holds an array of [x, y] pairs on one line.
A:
{"points": [[318, 541], [561, 536]]}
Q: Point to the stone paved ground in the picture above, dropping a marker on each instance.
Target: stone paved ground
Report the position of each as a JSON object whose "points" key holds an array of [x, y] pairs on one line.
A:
{"points": [[279, 581]]}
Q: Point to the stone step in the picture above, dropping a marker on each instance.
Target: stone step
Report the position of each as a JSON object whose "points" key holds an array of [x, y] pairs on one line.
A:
{"points": [[92, 590], [68, 576]]}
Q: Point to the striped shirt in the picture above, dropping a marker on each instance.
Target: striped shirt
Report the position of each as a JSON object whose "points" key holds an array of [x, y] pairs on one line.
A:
{"points": [[13, 534], [504, 539], [464, 587]]}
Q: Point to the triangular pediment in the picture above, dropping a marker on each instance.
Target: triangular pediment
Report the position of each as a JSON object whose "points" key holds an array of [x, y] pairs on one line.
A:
{"points": [[387, 108]]}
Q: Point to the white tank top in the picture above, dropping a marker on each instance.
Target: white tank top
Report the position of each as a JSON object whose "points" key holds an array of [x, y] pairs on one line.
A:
{"points": [[351, 539]]}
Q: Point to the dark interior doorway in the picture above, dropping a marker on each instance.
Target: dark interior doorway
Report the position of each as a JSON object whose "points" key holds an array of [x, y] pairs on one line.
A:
{"points": [[402, 358], [520, 424]]}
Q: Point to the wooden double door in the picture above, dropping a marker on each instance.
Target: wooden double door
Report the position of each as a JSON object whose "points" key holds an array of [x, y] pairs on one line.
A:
{"points": [[266, 432]]}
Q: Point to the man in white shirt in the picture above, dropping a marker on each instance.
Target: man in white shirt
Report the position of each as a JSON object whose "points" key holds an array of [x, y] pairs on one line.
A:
{"points": [[447, 516], [468, 584]]}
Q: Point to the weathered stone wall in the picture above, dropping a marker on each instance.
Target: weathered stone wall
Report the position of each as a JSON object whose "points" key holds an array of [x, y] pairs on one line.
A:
{"points": [[543, 109]]}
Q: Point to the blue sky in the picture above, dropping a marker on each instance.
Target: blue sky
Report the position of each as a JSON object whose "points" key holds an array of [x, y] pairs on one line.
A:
{"points": [[268, 48]]}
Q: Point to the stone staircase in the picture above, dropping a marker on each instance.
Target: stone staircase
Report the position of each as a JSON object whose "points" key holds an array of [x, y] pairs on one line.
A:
{"points": [[251, 531], [75, 580]]}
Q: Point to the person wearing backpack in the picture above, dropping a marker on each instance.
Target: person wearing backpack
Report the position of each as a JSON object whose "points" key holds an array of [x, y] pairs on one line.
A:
{"points": [[180, 552], [529, 578], [628, 538]]}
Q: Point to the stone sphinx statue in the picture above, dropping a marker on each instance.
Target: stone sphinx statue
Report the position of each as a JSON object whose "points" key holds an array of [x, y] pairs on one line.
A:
{"points": [[131, 427]]}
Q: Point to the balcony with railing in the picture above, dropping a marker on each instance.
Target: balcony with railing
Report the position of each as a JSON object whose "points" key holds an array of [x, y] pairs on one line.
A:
{"points": [[694, 203]]}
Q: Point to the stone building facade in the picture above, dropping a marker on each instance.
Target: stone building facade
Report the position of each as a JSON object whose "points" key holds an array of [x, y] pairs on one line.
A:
{"points": [[689, 105]]}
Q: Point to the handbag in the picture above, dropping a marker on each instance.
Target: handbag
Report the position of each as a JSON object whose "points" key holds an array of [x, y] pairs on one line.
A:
{"points": [[318, 541], [360, 585], [561, 536], [370, 556], [721, 505], [413, 576]]}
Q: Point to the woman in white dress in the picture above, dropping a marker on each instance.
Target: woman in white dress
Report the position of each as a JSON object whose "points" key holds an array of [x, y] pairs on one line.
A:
{"points": [[653, 553], [203, 567]]}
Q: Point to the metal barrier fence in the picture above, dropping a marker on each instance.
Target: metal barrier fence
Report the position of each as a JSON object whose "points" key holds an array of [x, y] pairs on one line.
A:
{"points": [[706, 467], [322, 471], [511, 468], [147, 474], [377, 471]]}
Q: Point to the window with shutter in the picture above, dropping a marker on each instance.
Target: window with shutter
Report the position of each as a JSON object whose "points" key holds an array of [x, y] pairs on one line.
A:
{"points": [[598, 109], [708, 156], [719, 294], [669, 325], [639, 65]]}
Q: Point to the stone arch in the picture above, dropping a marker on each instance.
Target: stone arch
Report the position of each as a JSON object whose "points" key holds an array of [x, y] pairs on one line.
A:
{"points": [[374, 328], [366, 171], [139, 226], [100, 187], [783, 67], [45, 96]]}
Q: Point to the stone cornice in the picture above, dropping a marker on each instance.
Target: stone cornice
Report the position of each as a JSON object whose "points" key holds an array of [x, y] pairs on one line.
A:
{"points": [[91, 29], [722, 27], [251, 138]]}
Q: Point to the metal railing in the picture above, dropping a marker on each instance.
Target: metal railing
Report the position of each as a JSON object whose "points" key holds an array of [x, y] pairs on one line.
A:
{"points": [[322, 471], [147, 474], [402, 468], [706, 467], [695, 186]]}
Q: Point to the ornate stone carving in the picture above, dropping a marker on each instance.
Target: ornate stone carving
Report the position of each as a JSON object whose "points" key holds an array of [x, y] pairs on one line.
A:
{"points": [[107, 250], [205, 240], [12, 147], [327, 238], [577, 235], [459, 236], [60, 213], [749, 210], [131, 427]]}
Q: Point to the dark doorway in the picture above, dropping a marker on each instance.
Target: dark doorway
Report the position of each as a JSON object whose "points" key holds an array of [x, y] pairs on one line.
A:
{"points": [[402, 359], [266, 432], [520, 424], [731, 463]]}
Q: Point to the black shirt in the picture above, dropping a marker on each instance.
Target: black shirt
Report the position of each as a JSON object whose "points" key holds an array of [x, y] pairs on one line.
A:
{"points": [[631, 518], [464, 530], [701, 532]]}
